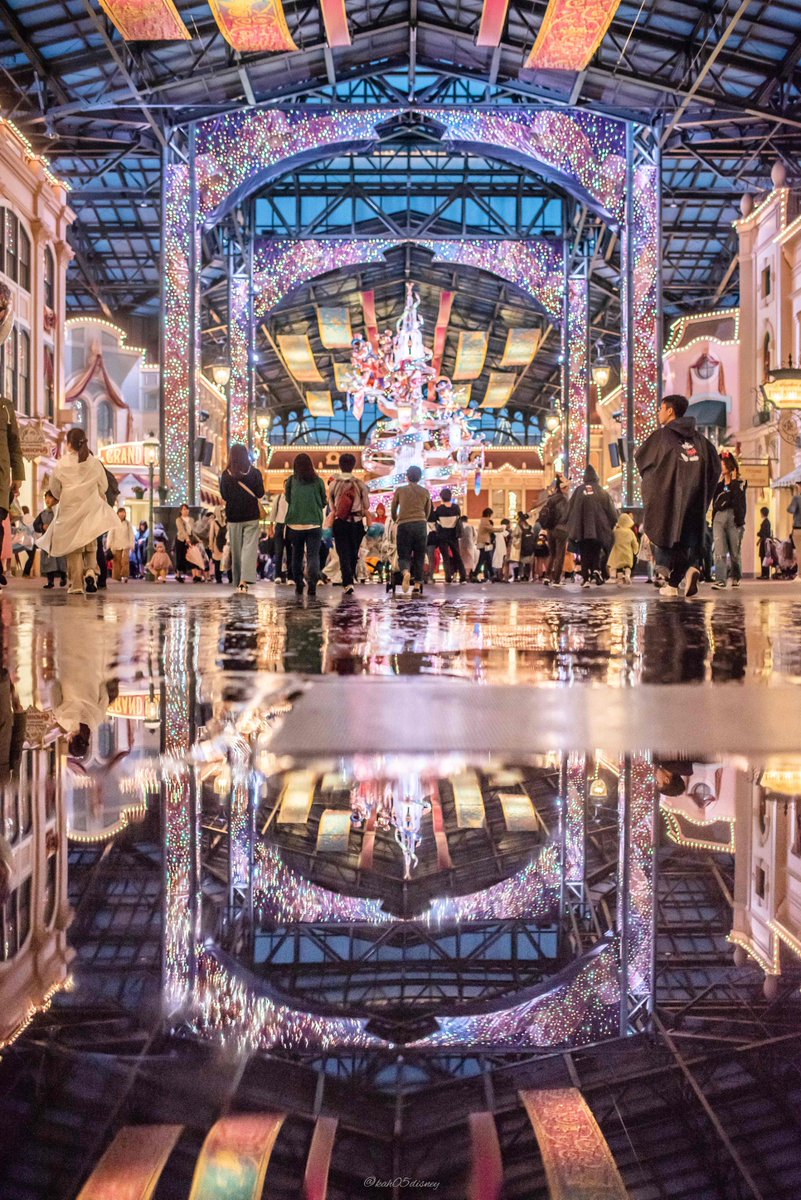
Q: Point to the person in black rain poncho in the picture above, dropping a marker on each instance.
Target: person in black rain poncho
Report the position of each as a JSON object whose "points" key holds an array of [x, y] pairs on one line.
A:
{"points": [[679, 469], [591, 517]]}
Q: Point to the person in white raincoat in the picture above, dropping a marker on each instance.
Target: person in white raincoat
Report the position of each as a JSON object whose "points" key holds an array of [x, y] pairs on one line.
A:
{"points": [[79, 484]]}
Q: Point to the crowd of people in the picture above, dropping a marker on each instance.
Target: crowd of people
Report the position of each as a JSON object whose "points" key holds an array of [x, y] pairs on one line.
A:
{"points": [[691, 530]]}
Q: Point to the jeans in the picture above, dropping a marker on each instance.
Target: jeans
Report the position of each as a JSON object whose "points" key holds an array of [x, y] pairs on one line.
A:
{"points": [[557, 545], [243, 537], [412, 538], [484, 563], [676, 560], [308, 541], [347, 539], [282, 543], [728, 539]]}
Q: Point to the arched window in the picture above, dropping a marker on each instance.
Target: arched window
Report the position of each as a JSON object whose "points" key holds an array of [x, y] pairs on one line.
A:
{"points": [[105, 422], [24, 258], [49, 278], [11, 239], [766, 349], [24, 370]]}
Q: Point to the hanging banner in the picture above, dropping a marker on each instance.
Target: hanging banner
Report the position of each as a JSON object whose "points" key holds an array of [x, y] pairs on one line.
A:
{"points": [[320, 404], [253, 26], [499, 390], [521, 346], [577, 1159], [336, 22], [334, 324], [146, 20], [235, 1157], [571, 32], [342, 374], [131, 1167], [298, 355], [470, 355]]}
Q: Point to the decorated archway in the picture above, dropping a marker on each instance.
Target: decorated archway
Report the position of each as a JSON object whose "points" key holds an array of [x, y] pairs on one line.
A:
{"points": [[608, 164]]}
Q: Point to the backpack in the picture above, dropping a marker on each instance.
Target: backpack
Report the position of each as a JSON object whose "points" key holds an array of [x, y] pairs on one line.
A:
{"points": [[547, 517], [345, 502]]}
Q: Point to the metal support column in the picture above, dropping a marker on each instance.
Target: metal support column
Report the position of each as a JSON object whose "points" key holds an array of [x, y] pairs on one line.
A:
{"points": [[194, 315], [250, 226], [568, 465], [627, 268], [624, 886]]}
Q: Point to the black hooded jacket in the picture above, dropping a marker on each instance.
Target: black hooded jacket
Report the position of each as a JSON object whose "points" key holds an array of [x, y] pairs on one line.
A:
{"points": [[591, 515], [679, 468]]}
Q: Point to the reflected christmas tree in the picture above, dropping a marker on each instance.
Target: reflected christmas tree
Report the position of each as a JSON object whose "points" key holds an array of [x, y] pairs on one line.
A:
{"points": [[425, 423]]}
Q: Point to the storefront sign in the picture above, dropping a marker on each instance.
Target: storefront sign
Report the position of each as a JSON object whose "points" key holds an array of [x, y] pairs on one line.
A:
{"points": [[756, 473], [124, 454], [34, 442], [38, 724]]}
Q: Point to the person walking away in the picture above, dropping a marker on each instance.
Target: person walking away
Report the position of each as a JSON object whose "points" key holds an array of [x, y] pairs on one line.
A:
{"points": [[306, 501], [121, 541], [79, 485], [142, 547], [12, 465], [468, 548], [410, 511], [794, 509], [679, 468], [528, 543], [513, 551], [591, 518], [485, 537], [241, 486], [349, 501], [764, 538], [728, 521], [184, 527], [553, 519], [24, 541], [282, 549], [623, 554], [500, 552], [51, 568], [160, 564], [218, 536], [447, 523]]}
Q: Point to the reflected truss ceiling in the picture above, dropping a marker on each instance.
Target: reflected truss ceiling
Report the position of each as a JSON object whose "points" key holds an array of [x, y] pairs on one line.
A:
{"points": [[724, 80]]}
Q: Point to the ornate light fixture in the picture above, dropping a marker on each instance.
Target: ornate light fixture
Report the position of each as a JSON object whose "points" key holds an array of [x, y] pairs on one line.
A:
{"points": [[782, 388], [552, 422], [601, 371], [221, 374]]}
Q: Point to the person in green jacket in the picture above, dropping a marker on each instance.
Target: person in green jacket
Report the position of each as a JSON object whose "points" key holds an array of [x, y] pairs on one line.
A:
{"points": [[12, 466], [306, 501]]}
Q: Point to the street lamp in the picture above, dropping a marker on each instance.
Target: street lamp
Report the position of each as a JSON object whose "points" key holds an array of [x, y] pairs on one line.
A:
{"points": [[601, 370], [782, 388], [150, 448], [552, 422], [221, 374]]}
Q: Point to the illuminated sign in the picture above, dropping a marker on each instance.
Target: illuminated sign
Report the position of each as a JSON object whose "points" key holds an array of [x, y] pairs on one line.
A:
{"points": [[124, 454]]}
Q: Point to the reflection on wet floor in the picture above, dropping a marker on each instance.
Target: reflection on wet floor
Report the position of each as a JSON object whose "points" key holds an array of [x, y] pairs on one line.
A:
{"points": [[195, 920], [617, 640]]}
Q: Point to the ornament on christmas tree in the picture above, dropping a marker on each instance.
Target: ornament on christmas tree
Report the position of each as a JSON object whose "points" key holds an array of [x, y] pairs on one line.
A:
{"points": [[426, 425]]}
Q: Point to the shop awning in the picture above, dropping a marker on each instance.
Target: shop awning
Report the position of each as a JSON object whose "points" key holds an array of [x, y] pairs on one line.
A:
{"points": [[788, 480], [709, 413]]}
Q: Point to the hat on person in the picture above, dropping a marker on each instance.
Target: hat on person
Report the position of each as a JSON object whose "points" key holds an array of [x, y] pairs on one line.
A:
{"points": [[590, 474]]}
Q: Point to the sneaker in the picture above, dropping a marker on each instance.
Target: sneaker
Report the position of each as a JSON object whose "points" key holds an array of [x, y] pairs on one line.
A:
{"points": [[348, 591], [546, 582], [718, 587], [48, 587], [91, 585], [735, 583], [668, 593], [585, 583], [691, 582], [406, 582], [598, 578]]}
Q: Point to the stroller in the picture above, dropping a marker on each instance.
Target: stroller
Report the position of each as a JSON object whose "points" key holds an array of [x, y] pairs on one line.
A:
{"points": [[389, 557], [782, 555]]}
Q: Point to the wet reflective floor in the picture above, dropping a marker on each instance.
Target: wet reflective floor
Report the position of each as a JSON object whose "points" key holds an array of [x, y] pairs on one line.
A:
{"points": [[326, 937]]}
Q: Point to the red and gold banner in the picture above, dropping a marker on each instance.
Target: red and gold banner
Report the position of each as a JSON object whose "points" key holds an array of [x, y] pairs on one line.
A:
{"points": [[235, 1156], [253, 25], [336, 22], [298, 355], [132, 1165], [470, 355], [370, 319], [441, 328], [578, 1162], [571, 32], [493, 19], [146, 20]]}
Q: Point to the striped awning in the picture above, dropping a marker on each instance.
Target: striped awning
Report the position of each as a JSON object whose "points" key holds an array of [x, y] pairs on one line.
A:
{"points": [[789, 480]]}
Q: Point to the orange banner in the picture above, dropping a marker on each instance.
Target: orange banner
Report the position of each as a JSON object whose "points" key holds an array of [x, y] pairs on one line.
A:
{"points": [[578, 1162], [336, 22], [493, 19], [253, 25], [571, 32], [132, 1165], [146, 20]]}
